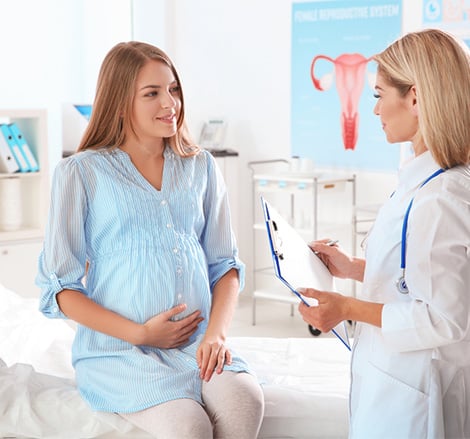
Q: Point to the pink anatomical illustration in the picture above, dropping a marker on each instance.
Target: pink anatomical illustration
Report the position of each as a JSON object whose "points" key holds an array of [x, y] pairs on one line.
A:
{"points": [[350, 72]]}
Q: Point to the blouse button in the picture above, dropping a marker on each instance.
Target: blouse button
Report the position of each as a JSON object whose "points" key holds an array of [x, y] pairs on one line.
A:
{"points": [[163, 202], [168, 226], [175, 250]]}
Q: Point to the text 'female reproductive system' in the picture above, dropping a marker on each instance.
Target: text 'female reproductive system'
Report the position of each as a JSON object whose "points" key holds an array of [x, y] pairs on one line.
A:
{"points": [[350, 72]]}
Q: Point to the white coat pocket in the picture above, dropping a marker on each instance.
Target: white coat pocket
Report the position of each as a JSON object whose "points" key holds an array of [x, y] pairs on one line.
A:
{"points": [[385, 407]]}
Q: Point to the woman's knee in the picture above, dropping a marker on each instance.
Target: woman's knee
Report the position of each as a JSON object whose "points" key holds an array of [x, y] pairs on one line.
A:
{"points": [[235, 403]]}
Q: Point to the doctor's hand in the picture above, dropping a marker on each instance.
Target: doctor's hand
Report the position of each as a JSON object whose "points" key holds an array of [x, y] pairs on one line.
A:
{"points": [[161, 331], [331, 310], [338, 262], [211, 356]]}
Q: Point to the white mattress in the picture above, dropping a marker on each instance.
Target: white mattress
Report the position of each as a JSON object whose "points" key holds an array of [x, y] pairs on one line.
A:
{"points": [[305, 382]]}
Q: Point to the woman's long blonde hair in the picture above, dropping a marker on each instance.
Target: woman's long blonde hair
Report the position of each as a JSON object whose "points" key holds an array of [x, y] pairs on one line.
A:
{"points": [[115, 91], [439, 66]]}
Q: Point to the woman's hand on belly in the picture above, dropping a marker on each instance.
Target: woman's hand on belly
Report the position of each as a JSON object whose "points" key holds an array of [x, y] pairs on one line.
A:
{"points": [[162, 332]]}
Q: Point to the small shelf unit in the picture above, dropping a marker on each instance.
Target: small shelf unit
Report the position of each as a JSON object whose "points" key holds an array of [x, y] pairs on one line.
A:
{"points": [[20, 245]]}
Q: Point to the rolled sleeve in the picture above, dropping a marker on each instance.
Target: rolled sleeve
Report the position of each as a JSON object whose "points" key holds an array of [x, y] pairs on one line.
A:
{"points": [[216, 271], [218, 239], [62, 260]]}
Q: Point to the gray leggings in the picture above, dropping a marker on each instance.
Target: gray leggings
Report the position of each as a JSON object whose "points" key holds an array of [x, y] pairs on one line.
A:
{"points": [[234, 408]]}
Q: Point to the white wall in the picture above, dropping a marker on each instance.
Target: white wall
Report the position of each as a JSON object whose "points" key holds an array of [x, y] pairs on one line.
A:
{"points": [[151, 22]]}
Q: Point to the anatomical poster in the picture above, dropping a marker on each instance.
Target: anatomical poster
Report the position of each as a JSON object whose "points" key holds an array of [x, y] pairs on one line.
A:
{"points": [[333, 79]]}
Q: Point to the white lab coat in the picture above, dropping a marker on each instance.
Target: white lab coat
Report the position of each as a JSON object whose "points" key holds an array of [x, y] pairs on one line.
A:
{"points": [[411, 378]]}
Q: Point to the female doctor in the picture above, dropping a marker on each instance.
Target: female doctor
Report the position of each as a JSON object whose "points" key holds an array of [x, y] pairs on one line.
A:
{"points": [[411, 355]]}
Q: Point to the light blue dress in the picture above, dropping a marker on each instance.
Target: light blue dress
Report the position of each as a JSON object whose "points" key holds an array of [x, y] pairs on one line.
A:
{"points": [[148, 250]]}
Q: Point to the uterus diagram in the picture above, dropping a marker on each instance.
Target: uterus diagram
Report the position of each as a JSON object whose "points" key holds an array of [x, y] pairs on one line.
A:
{"points": [[350, 74]]}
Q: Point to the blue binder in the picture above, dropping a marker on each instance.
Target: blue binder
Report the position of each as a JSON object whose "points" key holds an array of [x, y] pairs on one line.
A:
{"points": [[14, 148], [296, 265], [24, 147], [8, 163]]}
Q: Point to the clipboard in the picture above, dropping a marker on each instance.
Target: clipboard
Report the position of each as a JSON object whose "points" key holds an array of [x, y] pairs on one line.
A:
{"points": [[296, 265]]}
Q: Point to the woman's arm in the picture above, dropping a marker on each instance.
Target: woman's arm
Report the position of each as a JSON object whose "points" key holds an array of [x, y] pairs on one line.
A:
{"points": [[83, 310], [159, 331], [226, 272], [212, 354]]}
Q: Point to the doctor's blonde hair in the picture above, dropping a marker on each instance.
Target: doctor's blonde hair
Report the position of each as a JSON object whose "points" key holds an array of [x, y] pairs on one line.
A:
{"points": [[115, 92], [439, 66]]}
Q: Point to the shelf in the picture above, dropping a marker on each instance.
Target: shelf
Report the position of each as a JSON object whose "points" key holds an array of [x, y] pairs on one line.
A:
{"points": [[22, 234], [295, 183], [21, 175], [280, 296], [265, 270], [304, 177]]}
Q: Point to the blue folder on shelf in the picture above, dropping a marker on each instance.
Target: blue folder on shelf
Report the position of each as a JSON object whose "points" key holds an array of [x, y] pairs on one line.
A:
{"points": [[295, 264], [24, 147], [14, 148], [8, 163]]}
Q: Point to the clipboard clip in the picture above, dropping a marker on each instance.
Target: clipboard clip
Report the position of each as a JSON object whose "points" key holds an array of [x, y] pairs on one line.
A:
{"points": [[275, 238]]}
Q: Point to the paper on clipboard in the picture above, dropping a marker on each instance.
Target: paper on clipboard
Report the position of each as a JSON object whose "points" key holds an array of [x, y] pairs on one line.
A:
{"points": [[295, 264]]}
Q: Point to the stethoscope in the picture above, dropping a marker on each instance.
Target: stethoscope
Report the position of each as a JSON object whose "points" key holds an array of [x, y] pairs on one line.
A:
{"points": [[401, 284]]}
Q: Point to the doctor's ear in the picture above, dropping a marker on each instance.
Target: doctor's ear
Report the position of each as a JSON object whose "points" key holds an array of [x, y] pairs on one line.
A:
{"points": [[414, 100]]}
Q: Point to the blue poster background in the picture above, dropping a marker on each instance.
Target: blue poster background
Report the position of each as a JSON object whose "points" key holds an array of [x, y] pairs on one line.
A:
{"points": [[449, 15], [333, 28]]}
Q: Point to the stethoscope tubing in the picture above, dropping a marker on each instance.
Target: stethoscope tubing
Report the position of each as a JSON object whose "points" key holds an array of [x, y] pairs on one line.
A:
{"points": [[401, 284]]}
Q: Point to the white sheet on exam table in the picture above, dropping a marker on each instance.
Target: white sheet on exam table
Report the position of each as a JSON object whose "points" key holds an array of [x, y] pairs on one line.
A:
{"points": [[305, 381]]}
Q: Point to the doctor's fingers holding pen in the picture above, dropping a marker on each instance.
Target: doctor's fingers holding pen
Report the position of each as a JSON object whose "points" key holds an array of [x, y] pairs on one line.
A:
{"points": [[338, 262], [332, 309]]}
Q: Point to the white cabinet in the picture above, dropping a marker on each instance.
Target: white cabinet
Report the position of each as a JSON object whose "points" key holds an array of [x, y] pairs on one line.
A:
{"points": [[20, 244], [318, 204], [19, 265]]}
